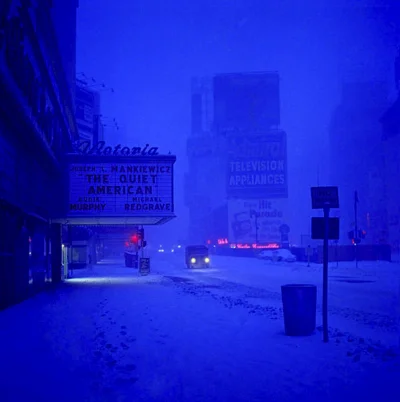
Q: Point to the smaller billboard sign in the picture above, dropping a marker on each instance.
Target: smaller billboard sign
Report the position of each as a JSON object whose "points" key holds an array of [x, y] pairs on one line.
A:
{"points": [[257, 166], [257, 221], [144, 266]]}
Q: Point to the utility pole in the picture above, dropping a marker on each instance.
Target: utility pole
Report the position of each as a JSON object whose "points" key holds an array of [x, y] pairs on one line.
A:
{"points": [[142, 240], [325, 274], [256, 229], [255, 214]]}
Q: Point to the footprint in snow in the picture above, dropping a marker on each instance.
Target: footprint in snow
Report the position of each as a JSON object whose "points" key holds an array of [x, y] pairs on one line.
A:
{"points": [[125, 381], [123, 332], [127, 367], [112, 363], [124, 346], [123, 326], [98, 354]]}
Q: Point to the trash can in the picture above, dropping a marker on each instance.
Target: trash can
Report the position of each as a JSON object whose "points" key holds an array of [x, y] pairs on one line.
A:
{"points": [[128, 260], [131, 260], [299, 309]]}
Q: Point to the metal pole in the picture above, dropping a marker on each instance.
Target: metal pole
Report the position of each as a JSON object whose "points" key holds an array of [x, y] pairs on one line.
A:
{"points": [[325, 276], [355, 226], [256, 228], [337, 254], [141, 241]]}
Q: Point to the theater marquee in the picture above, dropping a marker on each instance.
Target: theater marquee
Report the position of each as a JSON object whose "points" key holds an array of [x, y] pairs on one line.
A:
{"points": [[118, 190]]}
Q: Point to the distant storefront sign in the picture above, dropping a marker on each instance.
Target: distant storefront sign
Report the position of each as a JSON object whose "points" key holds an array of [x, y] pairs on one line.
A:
{"points": [[257, 166], [252, 221], [121, 188]]}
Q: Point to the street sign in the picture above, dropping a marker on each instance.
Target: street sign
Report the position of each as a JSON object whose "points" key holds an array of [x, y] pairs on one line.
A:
{"points": [[318, 228], [322, 197], [325, 228], [144, 266]]}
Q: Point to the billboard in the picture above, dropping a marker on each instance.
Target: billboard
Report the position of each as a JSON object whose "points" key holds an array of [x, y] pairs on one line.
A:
{"points": [[258, 221], [87, 107], [121, 187], [246, 101], [257, 166]]}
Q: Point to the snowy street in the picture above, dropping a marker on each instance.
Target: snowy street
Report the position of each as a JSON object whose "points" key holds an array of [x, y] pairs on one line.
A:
{"points": [[207, 335], [364, 300]]}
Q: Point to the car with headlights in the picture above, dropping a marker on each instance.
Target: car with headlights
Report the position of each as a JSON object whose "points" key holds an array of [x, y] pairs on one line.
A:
{"points": [[197, 257]]}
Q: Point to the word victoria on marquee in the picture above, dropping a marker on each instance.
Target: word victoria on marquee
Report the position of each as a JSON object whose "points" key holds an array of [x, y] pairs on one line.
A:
{"points": [[85, 148]]}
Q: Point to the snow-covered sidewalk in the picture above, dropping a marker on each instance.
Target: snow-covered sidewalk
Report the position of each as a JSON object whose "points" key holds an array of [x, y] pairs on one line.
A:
{"points": [[110, 335]]}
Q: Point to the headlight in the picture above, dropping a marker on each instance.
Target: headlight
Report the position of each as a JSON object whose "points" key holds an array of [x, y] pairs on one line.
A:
{"points": [[206, 260], [193, 260]]}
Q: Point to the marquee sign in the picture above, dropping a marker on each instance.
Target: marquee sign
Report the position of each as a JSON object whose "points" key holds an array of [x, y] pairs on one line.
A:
{"points": [[84, 147], [118, 187]]}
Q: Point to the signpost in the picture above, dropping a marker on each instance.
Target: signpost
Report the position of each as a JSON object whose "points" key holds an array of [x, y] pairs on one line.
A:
{"points": [[144, 266], [284, 231], [309, 253], [318, 228], [325, 198]]}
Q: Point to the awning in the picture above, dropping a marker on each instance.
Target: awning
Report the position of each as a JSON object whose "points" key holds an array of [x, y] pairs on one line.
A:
{"points": [[112, 220]]}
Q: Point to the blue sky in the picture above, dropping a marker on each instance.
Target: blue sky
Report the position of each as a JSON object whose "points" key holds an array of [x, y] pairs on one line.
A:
{"points": [[148, 50]]}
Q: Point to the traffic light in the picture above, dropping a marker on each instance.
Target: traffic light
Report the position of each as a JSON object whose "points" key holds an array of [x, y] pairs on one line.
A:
{"points": [[141, 234], [357, 239], [134, 238]]}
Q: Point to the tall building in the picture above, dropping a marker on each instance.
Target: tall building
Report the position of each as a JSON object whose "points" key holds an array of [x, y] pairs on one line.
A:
{"points": [[391, 144], [64, 16], [201, 191], [356, 158], [237, 181], [37, 126]]}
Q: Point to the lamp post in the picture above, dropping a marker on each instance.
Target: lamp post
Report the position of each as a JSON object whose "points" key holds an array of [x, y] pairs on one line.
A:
{"points": [[255, 214]]}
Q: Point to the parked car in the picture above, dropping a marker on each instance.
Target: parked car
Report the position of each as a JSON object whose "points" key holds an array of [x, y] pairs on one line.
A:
{"points": [[281, 254]]}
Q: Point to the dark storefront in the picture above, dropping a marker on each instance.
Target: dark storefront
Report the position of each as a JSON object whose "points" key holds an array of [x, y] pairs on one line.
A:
{"points": [[36, 129]]}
